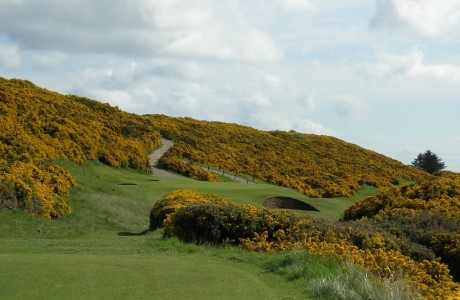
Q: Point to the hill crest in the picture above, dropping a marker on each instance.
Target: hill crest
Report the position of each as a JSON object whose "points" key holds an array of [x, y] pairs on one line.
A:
{"points": [[318, 166], [41, 126]]}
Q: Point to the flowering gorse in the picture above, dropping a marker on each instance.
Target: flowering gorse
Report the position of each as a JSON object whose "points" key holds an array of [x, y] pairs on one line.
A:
{"points": [[278, 231]]}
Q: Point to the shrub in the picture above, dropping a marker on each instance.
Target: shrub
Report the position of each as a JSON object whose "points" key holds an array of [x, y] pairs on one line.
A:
{"points": [[360, 242], [209, 223], [424, 217], [318, 166], [40, 189], [39, 127], [8, 198], [177, 199], [447, 246]]}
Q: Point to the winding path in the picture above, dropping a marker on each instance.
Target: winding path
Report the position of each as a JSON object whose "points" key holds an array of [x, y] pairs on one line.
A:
{"points": [[165, 145], [155, 156]]}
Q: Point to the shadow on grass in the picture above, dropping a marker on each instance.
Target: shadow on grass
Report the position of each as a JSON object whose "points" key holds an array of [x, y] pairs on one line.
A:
{"points": [[127, 233]]}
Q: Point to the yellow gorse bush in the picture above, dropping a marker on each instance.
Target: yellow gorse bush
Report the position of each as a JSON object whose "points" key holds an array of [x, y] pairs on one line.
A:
{"points": [[171, 161], [39, 127], [163, 209], [272, 231], [427, 214], [42, 189], [440, 195], [318, 166]]}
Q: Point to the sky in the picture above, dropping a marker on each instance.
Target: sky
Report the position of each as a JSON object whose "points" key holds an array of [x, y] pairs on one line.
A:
{"points": [[382, 74]]}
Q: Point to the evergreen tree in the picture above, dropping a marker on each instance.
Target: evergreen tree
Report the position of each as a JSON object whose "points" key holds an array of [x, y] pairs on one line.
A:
{"points": [[429, 162]]}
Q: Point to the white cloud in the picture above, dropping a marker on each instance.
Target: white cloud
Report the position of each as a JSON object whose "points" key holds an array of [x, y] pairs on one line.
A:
{"points": [[119, 98], [279, 64], [258, 99], [311, 102], [425, 17], [76, 26], [308, 126], [218, 43], [239, 93], [202, 28], [350, 106], [271, 79], [196, 28], [410, 63], [297, 5], [48, 59], [9, 56]]}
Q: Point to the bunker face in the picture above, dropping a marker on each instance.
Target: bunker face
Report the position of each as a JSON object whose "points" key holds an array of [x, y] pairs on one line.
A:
{"points": [[288, 203]]}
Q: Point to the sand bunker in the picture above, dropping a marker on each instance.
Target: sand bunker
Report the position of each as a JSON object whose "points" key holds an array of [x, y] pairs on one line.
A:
{"points": [[287, 203]]}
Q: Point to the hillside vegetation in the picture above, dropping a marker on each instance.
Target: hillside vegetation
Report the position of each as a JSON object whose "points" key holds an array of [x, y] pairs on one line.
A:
{"points": [[408, 235], [317, 166], [102, 251], [39, 127], [427, 215], [406, 248]]}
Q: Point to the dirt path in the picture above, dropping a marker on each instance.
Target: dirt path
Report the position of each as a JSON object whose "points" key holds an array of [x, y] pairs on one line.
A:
{"points": [[165, 145], [155, 156]]}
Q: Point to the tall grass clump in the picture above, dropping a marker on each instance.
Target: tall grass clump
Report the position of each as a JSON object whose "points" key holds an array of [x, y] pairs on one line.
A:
{"points": [[354, 283]]}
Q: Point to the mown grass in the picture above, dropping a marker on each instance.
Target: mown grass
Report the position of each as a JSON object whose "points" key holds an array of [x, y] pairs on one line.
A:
{"points": [[102, 251], [123, 276]]}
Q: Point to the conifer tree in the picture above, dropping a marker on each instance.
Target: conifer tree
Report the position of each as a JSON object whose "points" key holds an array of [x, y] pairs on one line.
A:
{"points": [[428, 162]]}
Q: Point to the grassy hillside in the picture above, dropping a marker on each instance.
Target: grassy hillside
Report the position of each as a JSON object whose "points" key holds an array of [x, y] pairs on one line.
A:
{"points": [[317, 166], [52, 142], [95, 252], [39, 126], [102, 251]]}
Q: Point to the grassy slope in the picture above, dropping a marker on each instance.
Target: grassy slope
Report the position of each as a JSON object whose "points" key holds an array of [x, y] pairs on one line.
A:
{"points": [[96, 253]]}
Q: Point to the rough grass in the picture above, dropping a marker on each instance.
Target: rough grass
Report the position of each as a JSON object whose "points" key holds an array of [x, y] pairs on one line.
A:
{"points": [[102, 250]]}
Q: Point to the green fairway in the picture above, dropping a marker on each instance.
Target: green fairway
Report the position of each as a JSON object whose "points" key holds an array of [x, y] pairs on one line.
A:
{"points": [[79, 276], [101, 251], [145, 190]]}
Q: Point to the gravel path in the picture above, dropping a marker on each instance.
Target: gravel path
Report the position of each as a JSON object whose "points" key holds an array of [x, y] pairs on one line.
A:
{"points": [[165, 145], [155, 156]]}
